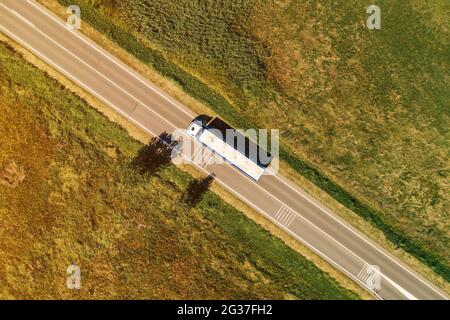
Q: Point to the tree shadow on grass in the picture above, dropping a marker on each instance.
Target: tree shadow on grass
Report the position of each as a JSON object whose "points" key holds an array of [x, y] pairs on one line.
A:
{"points": [[155, 155], [196, 190]]}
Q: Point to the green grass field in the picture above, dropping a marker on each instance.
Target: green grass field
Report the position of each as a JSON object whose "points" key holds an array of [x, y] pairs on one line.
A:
{"points": [[71, 192], [364, 114]]}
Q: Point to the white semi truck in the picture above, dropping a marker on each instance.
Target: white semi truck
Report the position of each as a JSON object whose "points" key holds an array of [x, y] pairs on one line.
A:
{"points": [[231, 145]]}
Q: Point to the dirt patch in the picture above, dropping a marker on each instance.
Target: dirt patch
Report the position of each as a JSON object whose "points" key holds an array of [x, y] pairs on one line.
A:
{"points": [[12, 175]]}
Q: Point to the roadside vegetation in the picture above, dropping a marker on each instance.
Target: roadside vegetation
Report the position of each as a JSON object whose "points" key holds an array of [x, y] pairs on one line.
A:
{"points": [[364, 114], [75, 188]]}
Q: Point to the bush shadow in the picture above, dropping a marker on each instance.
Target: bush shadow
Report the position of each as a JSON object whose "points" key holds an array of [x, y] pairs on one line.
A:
{"points": [[197, 189], [155, 155]]}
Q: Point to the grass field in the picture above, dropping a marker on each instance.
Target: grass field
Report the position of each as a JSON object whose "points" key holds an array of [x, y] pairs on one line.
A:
{"points": [[76, 189], [364, 114]]}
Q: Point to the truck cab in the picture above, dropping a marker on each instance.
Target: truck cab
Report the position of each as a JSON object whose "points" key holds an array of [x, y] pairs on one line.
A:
{"points": [[197, 125], [195, 128]]}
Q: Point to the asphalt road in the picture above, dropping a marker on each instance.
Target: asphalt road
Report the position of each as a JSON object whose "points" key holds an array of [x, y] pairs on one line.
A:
{"points": [[148, 107]]}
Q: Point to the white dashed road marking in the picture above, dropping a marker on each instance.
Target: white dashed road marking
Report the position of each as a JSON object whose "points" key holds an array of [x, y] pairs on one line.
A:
{"points": [[285, 216]]}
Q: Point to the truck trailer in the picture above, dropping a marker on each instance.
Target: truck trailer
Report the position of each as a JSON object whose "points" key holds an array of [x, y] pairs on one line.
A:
{"points": [[230, 144]]}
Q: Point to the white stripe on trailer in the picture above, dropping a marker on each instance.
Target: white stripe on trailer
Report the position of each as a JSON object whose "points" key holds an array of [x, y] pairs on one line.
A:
{"points": [[230, 154]]}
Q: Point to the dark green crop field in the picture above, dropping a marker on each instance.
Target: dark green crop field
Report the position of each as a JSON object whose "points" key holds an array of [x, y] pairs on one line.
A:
{"points": [[363, 114]]}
